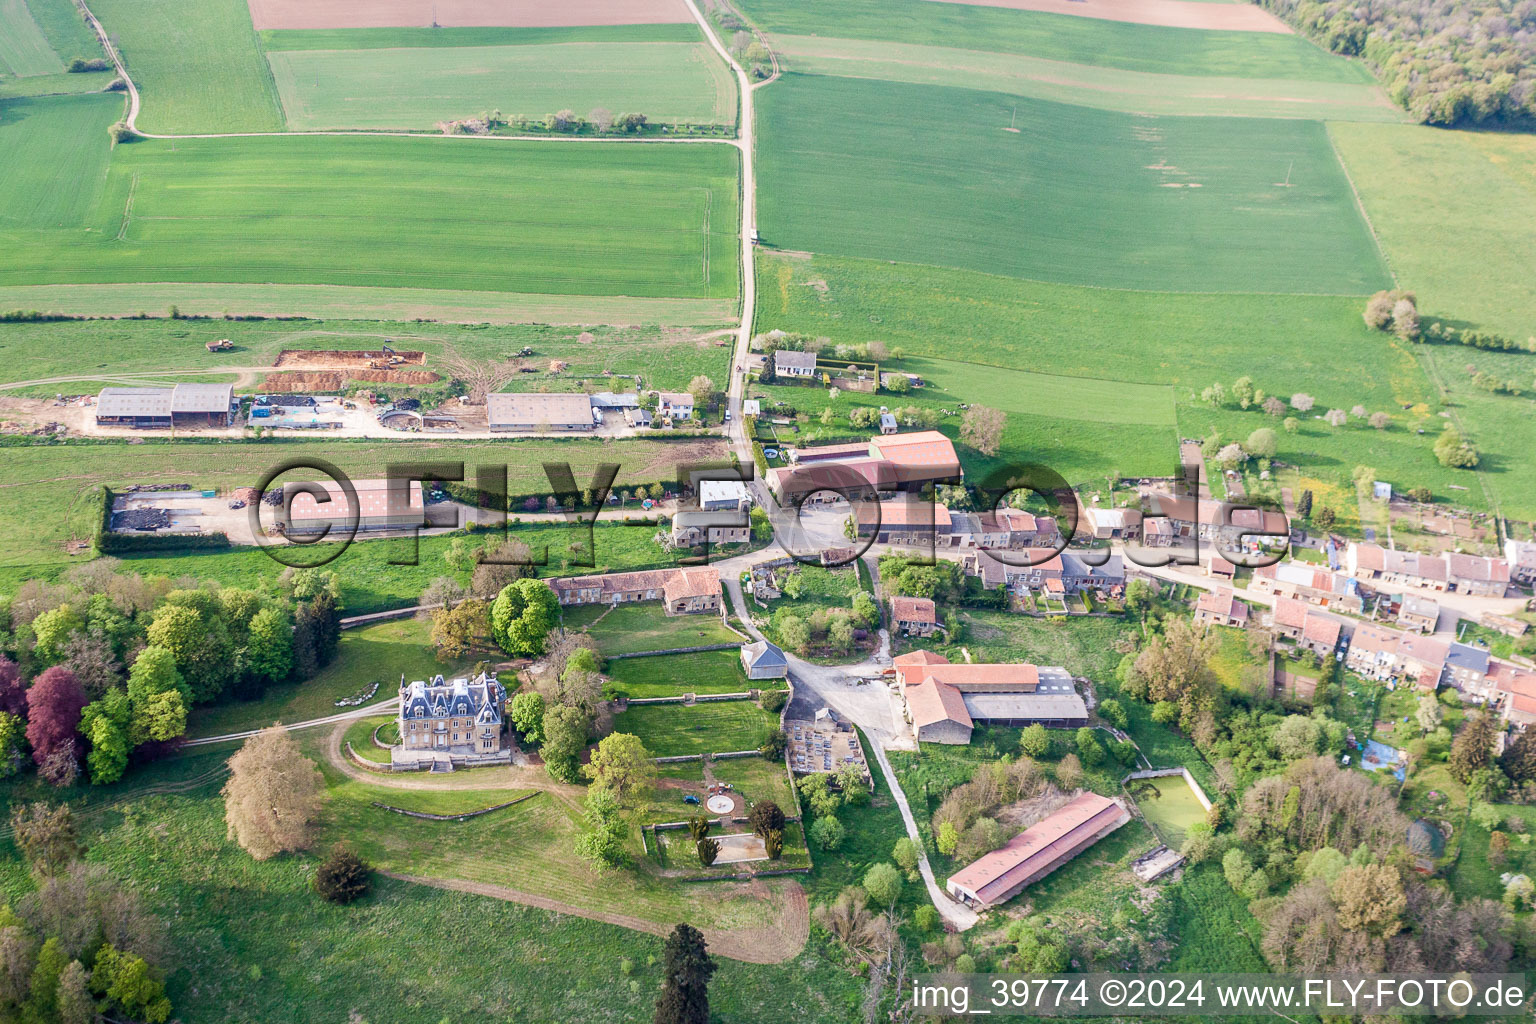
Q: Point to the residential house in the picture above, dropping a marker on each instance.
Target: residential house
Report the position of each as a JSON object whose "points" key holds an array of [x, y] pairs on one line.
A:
{"points": [[886, 464], [763, 660], [1220, 607], [788, 363], [1110, 523], [1474, 574], [999, 876], [1007, 528], [689, 591], [1047, 571], [1419, 614], [460, 717], [1467, 667], [914, 616], [1313, 584], [1520, 555], [1422, 660], [943, 701], [692, 527], [1372, 562], [1512, 690], [1373, 651], [905, 520], [674, 405], [531, 411]]}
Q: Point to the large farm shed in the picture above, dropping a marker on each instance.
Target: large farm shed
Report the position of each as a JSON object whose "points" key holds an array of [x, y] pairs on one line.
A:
{"points": [[301, 513], [185, 405], [944, 701], [539, 412], [885, 464], [1038, 850]]}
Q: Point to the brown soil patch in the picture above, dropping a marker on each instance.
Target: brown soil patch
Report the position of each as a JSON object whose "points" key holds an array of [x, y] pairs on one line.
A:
{"points": [[329, 381], [1173, 13], [462, 13], [770, 944], [342, 359]]}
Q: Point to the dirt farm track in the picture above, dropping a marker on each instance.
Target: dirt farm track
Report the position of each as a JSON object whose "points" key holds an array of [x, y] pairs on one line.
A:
{"points": [[267, 14], [1171, 13]]}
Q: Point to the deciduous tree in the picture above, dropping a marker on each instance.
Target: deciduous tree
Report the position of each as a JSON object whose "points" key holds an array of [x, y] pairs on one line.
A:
{"points": [[623, 766], [47, 837], [272, 796], [522, 616], [54, 703], [982, 428]]}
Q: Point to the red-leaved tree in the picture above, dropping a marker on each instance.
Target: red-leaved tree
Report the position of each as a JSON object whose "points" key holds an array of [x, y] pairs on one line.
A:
{"points": [[53, 711]]}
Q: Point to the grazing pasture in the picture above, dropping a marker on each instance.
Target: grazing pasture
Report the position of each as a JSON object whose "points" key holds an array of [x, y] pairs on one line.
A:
{"points": [[197, 63], [1112, 44], [465, 214], [1137, 92], [493, 35], [295, 14], [24, 49], [417, 88], [1074, 195], [44, 142]]}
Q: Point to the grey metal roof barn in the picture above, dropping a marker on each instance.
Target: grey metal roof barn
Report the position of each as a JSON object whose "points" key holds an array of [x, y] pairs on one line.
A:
{"points": [[184, 404], [506, 411]]}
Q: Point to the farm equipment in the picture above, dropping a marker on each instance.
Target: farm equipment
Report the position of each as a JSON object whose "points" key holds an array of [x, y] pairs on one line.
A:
{"points": [[222, 345]]}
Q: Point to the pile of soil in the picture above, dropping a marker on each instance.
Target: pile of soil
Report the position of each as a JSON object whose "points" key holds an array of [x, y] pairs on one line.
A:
{"points": [[342, 358]]}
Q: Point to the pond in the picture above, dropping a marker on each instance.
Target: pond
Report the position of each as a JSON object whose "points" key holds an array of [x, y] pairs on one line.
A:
{"points": [[1169, 805]]}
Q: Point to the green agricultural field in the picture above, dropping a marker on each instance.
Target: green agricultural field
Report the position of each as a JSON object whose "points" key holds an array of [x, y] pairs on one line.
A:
{"points": [[390, 38], [378, 653], [671, 675], [46, 141], [75, 355], [1061, 37], [197, 63], [65, 28], [1456, 215], [672, 730], [417, 88], [1075, 195], [1085, 85], [434, 213], [24, 49]]}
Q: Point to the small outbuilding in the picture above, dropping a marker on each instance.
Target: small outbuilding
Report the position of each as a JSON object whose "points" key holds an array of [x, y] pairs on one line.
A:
{"points": [[763, 660]]}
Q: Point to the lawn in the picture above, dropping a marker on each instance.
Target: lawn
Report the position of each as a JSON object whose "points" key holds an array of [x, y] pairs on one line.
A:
{"points": [[62, 480], [672, 730], [197, 63], [466, 214], [252, 939], [1170, 808], [1083, 646], [670, 675], [416, 88], [105, 349], [1075, 195], [642, 626], [1058, 37], [1187, 92], [379, 653], [360, 735]]}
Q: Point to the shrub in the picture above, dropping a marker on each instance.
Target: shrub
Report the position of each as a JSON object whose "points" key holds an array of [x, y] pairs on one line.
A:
{"points": [[773, 701], [708, 849], [925, 918], [828, 833], [773, 747], [766, 817], [343, 876]]}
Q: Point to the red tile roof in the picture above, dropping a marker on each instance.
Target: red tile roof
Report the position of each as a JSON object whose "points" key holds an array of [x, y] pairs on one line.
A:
{"points": [[931, 703], [913, 609], [1322, 630], [1290, 612], [372, 500], [920, 448], [1038, 848]]}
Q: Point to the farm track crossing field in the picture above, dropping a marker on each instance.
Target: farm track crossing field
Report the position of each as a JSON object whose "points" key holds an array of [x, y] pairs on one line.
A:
{"points": [[44, 142], [24, 49], [1085, 85], [1153, 48], [618, 219], [1075, 195], [197, 63], [391, 38], [417, 88]]}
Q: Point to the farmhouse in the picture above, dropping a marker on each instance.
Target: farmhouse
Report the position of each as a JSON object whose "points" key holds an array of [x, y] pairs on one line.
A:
{"points": [[1422, 660], [905, 520], [674, 405], [944, 701], [886, 464], [377, 507], [539, 412], [1221, 608], [185, 405], [1046, 570], [1040, 849], [1403, 568], [787, 363], [1110, 523], [1520, 555], [691, 526], [1474, 574], [914, 616], [1467, 666], [1373, 651], [459, 717], [689, 591], [1312, 630], [763, 660], [1007, 528]]}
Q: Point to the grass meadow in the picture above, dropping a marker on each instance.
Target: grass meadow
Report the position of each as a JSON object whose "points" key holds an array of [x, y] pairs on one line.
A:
{"points": [[1141, 92], [1073, 195], [1060, 37], [197, 63], [670, 675], [430, 213], [670, 730], [641, 626], [104, 349], [417, 88]]}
